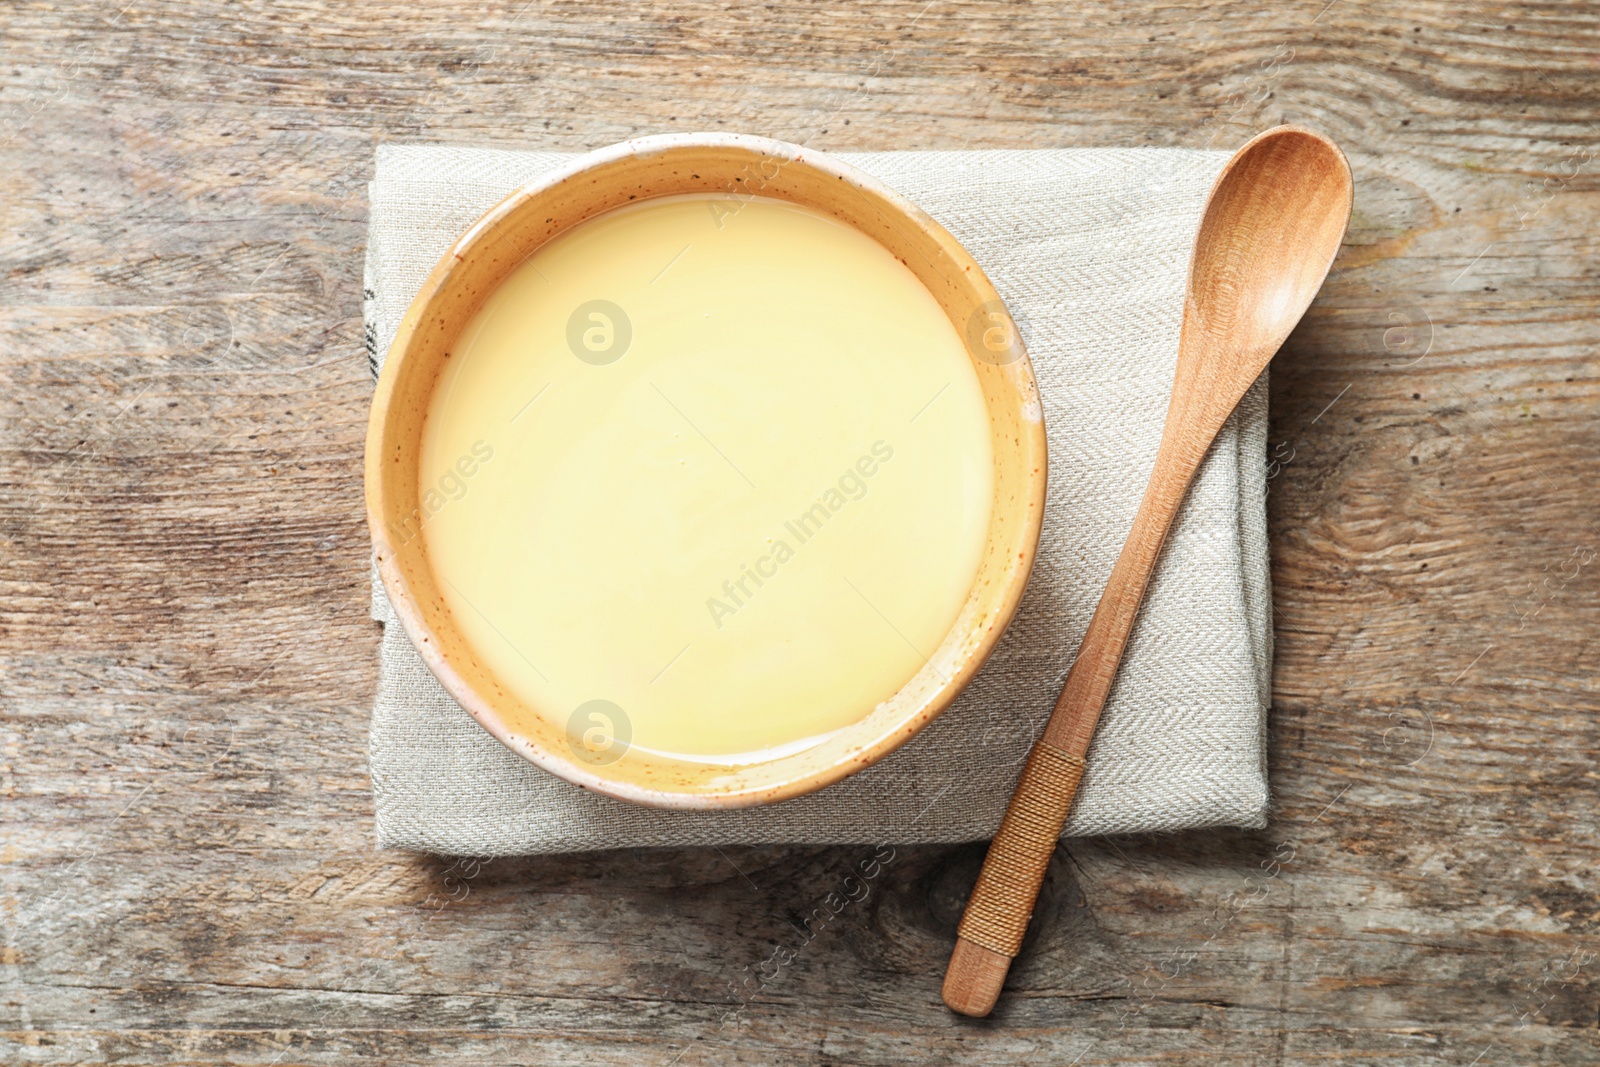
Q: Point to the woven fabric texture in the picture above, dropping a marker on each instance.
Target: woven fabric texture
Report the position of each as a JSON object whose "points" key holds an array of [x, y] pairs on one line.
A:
{"points": [[1089, 249]]}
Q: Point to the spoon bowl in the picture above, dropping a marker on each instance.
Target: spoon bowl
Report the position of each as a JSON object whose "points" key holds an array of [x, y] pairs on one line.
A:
{"points": [[1268, 235]]}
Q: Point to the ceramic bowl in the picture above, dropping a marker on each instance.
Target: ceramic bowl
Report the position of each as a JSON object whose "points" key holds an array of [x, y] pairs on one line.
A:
{"points": [[743, 166]]}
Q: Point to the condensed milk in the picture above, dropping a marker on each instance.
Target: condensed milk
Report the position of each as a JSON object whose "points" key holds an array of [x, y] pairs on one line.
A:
{"points": [[706, 476]]}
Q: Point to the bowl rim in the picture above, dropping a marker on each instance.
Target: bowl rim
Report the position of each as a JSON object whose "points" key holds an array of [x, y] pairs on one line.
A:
{"points": [[1032, 442]]}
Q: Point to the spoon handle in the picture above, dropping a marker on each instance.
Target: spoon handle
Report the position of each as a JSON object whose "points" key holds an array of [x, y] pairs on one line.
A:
{"points": [[1001, 903]]}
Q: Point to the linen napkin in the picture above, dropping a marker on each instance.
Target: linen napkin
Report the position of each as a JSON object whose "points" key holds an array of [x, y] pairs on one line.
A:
{"points": [[1089, 248]]}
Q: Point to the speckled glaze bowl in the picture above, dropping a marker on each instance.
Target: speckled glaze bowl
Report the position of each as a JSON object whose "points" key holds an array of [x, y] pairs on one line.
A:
{"points": [[663, 166]]}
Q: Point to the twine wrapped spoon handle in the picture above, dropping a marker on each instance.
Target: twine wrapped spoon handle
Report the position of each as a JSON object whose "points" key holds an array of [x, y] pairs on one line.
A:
{"points": [[1271, 226]]}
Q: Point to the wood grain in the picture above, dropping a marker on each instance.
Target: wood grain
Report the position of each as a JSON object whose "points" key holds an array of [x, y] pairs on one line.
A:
{"points": [[187, 874]]}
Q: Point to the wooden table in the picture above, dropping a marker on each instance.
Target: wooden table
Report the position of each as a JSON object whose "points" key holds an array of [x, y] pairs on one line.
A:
{"points": [[188, 869]]}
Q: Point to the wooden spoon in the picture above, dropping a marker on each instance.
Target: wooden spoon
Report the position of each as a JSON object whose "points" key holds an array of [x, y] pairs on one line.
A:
{"points": [[1268, 235]]}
